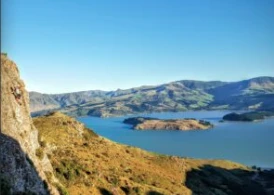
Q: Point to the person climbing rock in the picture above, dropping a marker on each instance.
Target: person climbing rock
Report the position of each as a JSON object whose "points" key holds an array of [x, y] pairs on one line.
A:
{"points": [[17, 94]]}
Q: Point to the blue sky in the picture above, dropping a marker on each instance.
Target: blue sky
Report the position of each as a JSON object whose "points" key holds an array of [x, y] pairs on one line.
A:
{"points": [[64, 46]]}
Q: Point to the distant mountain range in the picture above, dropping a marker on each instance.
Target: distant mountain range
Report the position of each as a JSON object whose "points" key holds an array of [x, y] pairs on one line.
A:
{"points": [[252, 94]]}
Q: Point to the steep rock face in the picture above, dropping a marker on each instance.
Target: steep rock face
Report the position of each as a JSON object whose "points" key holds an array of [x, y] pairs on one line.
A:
{"points": [[17, 172], [21, 169]]}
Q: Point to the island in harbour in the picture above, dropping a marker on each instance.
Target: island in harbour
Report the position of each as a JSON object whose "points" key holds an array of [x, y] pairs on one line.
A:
{"points": [[145, 123], [248, 116]]}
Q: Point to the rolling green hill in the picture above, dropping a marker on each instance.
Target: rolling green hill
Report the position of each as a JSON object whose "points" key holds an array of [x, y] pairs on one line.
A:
{"points": [[252, 94]]}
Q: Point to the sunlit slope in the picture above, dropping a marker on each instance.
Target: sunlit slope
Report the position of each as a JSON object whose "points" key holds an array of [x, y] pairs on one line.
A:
{"points": [[90, 164]]}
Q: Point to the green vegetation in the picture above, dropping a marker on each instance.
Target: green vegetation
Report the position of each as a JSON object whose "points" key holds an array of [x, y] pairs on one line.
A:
{"points": [[62, 190], [249, 116], [67, 171], [39, 153], [136, 120], [205, 123]]}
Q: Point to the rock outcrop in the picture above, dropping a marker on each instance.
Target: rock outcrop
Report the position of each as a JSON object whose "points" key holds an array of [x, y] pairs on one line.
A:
{"points": [[22, 171]]}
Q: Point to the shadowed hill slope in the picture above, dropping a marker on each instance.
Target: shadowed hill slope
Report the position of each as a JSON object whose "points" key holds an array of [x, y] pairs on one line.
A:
{"points": [[209, 179], [256, 93], [86, 163]]}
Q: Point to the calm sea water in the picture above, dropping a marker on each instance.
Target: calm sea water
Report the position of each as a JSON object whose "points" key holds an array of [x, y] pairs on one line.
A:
{"points": [[244, 142]]}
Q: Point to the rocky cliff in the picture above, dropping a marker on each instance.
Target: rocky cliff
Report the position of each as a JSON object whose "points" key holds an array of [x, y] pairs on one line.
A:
{"points": [[23, 168]]}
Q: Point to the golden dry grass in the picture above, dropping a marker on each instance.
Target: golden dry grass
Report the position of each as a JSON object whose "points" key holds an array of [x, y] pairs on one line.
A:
{"points": [[86, 163], [188, 124]]}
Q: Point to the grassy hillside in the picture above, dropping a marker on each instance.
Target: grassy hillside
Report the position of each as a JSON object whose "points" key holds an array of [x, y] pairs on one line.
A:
{"points": [[257, 93], [86, 163]]}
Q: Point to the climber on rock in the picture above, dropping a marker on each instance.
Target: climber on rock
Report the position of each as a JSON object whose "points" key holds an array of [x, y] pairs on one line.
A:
{"points": [[17, 94]]}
